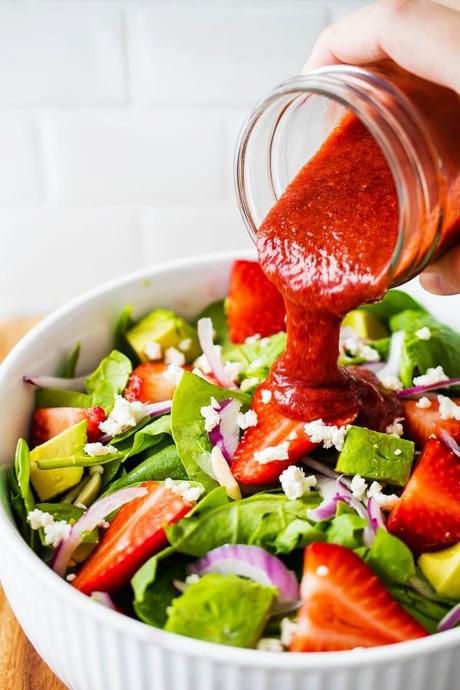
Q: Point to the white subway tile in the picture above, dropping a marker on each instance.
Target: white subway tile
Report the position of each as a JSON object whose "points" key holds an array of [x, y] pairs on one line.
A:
{"points": [[202, 53], [62, 55], [175, 232], [50, 256], [19, 172], [163, 156]]}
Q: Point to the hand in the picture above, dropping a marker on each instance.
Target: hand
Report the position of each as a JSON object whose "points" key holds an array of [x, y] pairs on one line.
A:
{"points": [[422, 36]]}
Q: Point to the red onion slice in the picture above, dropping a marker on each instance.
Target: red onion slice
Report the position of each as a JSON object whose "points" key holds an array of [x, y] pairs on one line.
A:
{"points": [[88, 521], [451, 619], [254, 563], [77, 384], [206, 338], [226, 435], [375, 516], [417, 390], [450, 442], [327, 471], [104, 599]]}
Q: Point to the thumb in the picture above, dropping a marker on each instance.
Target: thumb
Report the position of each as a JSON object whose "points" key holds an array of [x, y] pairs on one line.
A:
{"points": [[442, 277]]}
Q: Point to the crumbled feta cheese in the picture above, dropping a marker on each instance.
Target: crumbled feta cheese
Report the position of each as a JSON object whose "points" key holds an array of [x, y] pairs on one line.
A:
{"points": [[174, 356], [202, 363], [70, 577], [233, 369], [153, 351], [265, 342], [192, 579], [250, 340], [185, 344], [214, 403], [357, 348], [358, 487], [56, 531], [322, 571], [104, 524], [199, 373], [395, 428], [423, 403], [270, 644], [432, 375], [280, 452], [292, 436], [266, 396], [173, 374], [124, 415], [398, 451], [82, 506], [255, 364], [246, 384], [96, 449], [295, 483], [448, 409], [211, 417], [390, 382], [96, 469], [327, 435], [288, 629], [385, 501], [38, 518], [423, 333], [247, 419], [185, 489]]}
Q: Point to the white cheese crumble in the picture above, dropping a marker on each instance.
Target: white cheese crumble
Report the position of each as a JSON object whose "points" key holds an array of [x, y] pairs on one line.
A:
{"points": [[395, 428], [202, 363], [280, 452], [424, 403], [96, 449], [398, 451], [265, 342], [96, 469], [233, 369], [357, 348], [292, 436], [192, 579], [246, 384], [185, 489], [423, 333], [211, 417], [358, 487], [70, 577], [295, 482], [270, 644], [124, 415], [83, 506], [385, 501], [38, 518], [432, 375], [174, 356], [214, 403], [247, 419], [185, 344], [153, 351], [288, 629], [255, 364], [327, 435], [173, 374], [55, 530], [322, 571], [251, 339], [390, 382], [448, 409], [266, 396]]}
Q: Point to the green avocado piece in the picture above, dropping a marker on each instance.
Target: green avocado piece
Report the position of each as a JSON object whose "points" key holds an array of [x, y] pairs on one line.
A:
{"points": [[365, 325], [442, 569], [165, 327], [50, 483], [226, 609], [374, 455]]}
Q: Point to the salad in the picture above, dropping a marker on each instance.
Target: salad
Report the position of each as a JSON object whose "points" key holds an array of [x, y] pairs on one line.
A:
{"points": [[166, 484]]}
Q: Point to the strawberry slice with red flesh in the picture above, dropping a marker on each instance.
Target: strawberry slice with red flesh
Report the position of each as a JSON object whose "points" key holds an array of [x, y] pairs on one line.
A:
{"points": [[427, 516], [254, 305], [136, 533], [50, 421], [273, 429], [421, 423], [346, 606], [149, 383]]}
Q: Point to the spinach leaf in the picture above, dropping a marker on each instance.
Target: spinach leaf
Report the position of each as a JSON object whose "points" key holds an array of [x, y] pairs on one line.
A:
{"points": [[428, 612], [124, 322], [346, 530], [21, 497], [57, 397], [393, 302], [70, 513], [216, 312], [256, 358], [148, 436], [390, 558], [296, 535], [153, 587], [187, 424], [109, 379], [70, 365], [257, 520]]}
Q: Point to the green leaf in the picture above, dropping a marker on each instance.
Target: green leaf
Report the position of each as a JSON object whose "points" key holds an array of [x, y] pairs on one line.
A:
{"points": [[19, 508], [70, 365], [296, 535], [427, 612], [216, 312], [124, 322], [22, 469], [109, 379], [70, 513], [187, 424], [346, 529], [153, 588], [77, 461], [148, 436], [57, 397], [390, 558], [256, 358], [394, 302]]}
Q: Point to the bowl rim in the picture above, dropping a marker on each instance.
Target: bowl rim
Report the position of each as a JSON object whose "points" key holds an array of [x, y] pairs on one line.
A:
{"points": [[139, 630]]}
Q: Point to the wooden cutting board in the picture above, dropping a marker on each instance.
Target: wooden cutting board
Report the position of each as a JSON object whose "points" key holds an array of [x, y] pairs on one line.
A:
{"points": [[20, 666]]}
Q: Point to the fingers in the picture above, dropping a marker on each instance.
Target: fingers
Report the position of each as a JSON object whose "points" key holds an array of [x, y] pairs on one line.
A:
{"points": [[420, 35], [442, 277]]}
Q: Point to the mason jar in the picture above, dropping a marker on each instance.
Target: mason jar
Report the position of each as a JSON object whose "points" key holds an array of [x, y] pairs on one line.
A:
{"points": [[415, 122]]}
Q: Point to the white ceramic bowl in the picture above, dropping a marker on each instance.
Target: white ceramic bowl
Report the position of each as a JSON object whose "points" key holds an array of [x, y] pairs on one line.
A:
{"points": [[93, 648]]}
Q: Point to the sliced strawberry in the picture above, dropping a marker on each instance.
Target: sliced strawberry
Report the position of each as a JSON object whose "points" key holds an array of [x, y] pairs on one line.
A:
{"points": [[272, 429], [254, 304], [50, 421], [346, 606], [421, 423], [148, 383], [136, 533], [427, 516]]}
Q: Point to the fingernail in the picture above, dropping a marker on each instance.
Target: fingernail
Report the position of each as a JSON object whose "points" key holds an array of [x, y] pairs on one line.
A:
{"points": [[436, 283]]}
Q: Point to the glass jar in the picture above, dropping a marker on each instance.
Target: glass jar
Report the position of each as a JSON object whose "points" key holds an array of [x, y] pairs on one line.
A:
{"points": [[415, 122]]}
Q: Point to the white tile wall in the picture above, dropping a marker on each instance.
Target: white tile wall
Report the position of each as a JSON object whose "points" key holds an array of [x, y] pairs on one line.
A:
{"points": [[117, 126]]}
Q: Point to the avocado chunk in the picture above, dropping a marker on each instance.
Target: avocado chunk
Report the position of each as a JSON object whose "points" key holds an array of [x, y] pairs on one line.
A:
{"points": [[442, 569], [50, 483], [226, 609], [365, 325], [166, 328], [378, 456]]}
